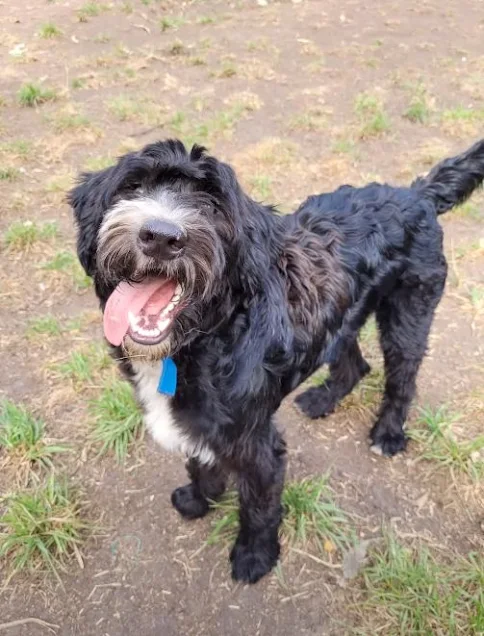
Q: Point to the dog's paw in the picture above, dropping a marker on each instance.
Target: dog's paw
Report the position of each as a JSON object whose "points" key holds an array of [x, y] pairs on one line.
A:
{"points": [[387, 444], [250, 563], [316, 402], [189, 504]]}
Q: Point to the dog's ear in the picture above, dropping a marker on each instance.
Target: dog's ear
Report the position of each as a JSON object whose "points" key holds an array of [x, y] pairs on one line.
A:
{"points": [[90, 200]]}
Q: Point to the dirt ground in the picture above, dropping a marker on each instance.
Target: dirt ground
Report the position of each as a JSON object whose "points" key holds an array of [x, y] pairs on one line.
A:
{"points": [[300, 97]]}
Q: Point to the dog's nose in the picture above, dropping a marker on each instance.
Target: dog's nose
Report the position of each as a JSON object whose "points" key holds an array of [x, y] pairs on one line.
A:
{"points": [[161, 239]]}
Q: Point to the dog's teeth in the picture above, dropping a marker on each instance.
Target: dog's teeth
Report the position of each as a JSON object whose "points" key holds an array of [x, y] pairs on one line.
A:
{"points": [[163, 324], [133, 321], [144, 332], [170, 307], [178, 290]]}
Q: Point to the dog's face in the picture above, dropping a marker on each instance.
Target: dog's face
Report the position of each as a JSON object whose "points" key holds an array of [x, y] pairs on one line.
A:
{"points": [[156, 232]]}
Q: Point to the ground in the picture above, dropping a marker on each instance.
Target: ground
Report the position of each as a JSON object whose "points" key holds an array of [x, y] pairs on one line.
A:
{"points": [[300, 97]]}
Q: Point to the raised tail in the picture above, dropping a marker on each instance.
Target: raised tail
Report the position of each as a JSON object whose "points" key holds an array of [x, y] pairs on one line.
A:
{"points": [[454, 180]]}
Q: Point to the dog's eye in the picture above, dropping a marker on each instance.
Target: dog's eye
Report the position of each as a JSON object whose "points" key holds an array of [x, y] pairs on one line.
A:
{"points": [[208, 208]]}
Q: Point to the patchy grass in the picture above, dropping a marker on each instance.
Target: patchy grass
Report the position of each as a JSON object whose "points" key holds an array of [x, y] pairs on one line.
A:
{"points": [[222, 124], [124, 108], [99, 163], [261, 187], [16, 149], [31, 95], [117, 420], [310, 517], [367, 394], [227, 70], [344, 146], [91, 10], [311, 120], [67, 263], [22, 437], [418, 111], [44, 326], [439, 444], [206, 19], [373, 119], [49, 31], [69, 120], [170, 23], [142, 110], [78, 83], [461, 121], [177, 48], [42, 529], [408, 591], [83, 367], [9, 174], [21, 235], [369, 333], [470, 210]]}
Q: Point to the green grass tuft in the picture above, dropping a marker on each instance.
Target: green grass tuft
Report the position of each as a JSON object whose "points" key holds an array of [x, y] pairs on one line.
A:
{"points": [[373, 119], [82, 366], [22, 436], [68, 263], [9, 174], [440, 445], [99, 163], [46, 325], [49, 31], [17, 148], [418, 111], [21, 235], [117, 420], [90, 10], [310, 516], [311, 120], [261, 186], [41, 529], [70, 121], [460, 113], [31, 95], [409, 592], [171, 22]]}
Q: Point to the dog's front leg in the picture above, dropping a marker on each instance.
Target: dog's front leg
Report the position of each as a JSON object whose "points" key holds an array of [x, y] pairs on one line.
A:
{"points": [[207, 483], [260, 484]]}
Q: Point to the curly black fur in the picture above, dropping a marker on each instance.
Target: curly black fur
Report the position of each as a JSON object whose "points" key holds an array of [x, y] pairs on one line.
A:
{"points": [[269, 299]]}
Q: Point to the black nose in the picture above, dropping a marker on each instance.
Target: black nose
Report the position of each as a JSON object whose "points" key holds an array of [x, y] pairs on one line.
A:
{"points": [[161, 239]]}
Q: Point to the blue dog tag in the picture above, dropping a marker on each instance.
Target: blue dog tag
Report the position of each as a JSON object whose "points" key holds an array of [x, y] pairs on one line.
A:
{"points": [[167, 383]]}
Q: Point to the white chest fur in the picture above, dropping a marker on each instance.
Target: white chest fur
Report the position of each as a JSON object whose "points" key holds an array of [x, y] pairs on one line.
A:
{"points": [[159, 418]]}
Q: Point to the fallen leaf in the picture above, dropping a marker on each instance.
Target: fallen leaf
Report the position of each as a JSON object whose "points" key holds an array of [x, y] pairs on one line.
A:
{"points": [[329, 546]]}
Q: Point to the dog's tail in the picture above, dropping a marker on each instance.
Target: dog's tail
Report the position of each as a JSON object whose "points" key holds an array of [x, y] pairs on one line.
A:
{"points": [[454, 180]]}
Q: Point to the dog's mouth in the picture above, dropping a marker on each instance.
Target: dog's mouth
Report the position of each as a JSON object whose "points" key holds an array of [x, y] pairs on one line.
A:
{"points": [[143, 311]]}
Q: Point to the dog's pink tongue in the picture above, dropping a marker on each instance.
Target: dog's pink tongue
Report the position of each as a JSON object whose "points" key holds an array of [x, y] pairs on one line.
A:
{"points": [[152, 296]]}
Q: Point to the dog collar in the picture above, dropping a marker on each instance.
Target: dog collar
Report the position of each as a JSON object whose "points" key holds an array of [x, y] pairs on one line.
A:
{"points": [[167, 383]]}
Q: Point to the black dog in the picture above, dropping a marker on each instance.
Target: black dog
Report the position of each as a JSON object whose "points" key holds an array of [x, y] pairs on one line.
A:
{"points": [[245, 304]]}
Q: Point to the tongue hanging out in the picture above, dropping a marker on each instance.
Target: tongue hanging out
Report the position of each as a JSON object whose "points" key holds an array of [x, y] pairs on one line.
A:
{"points": [[144, 311]]}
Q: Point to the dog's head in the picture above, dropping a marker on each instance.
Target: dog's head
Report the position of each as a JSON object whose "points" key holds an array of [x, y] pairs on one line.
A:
{"points": [[164, 233]]}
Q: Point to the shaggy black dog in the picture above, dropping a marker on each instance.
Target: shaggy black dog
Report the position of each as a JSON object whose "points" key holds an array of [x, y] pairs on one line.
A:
{"points": [[195, 277]]}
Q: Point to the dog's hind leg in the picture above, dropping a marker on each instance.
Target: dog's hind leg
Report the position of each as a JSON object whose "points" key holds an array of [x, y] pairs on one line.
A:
{"points": [[207, 484], [404, 318], [260, 469], [344, 375]]}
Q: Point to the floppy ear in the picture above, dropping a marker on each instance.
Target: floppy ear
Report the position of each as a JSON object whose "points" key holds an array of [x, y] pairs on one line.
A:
{"points": [[90, 199]]}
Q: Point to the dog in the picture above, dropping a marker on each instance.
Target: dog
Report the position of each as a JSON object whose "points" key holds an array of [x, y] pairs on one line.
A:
{"points": [[217, 307]]}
